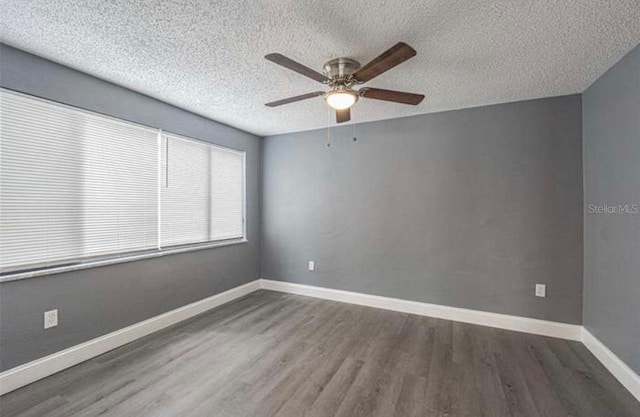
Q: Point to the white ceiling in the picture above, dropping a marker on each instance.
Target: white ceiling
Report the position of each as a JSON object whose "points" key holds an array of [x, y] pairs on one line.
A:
{"points": [[207, 56]]}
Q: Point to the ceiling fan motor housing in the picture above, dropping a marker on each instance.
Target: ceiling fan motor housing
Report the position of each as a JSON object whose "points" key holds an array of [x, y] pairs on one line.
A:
{"points": [[340, 69]]}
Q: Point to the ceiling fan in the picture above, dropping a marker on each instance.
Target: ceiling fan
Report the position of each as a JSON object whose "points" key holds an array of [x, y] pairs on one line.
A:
{"points": [[342, 74]]}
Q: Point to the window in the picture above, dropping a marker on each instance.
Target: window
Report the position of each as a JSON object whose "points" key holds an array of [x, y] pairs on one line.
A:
{"points": [[76, 185], [202, 192]]}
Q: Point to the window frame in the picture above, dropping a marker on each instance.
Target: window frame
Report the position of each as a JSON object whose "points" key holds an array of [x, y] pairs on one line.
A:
{"points": [[131, 256]]}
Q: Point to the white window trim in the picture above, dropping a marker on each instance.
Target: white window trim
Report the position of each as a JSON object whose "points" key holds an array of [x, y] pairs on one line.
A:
{"points": [[133, 256], [111, 260]]}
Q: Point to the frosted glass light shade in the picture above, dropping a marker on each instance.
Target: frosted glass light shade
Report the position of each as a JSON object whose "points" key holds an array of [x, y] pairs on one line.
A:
{"points": [[341, 99]]}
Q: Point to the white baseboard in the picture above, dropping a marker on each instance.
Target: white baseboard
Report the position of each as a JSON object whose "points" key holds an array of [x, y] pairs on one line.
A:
{"points": [[502, 321], [613, 363], [30, 372]]}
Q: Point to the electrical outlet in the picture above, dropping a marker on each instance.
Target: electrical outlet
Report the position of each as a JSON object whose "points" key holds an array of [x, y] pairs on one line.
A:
{"points": [[50, 319], [541, 290], [312, 266]]}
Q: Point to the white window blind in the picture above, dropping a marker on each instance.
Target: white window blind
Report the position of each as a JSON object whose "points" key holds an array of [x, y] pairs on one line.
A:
{"points": [[227, 194], [72, 184], [185, 192], [202, 193], [75, 185]]}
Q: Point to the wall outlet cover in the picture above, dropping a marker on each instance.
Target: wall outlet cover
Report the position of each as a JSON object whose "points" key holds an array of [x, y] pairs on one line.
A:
{"points": [[541, 290], [50, 319], [312, 265]]}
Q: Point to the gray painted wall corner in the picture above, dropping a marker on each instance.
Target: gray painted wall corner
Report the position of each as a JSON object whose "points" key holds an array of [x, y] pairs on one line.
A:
{"points": [[467, 208], [612, 240]]}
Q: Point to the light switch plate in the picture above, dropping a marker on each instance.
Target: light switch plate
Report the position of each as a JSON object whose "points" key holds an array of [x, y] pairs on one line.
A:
{"points": [[541, 290], [50, 319]]}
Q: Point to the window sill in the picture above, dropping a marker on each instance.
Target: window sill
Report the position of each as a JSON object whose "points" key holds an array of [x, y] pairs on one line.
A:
{"points": [[117, 260]]}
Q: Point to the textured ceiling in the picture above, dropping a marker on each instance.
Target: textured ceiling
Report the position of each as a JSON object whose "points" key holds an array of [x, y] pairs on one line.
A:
{"points": [[207, 56]]}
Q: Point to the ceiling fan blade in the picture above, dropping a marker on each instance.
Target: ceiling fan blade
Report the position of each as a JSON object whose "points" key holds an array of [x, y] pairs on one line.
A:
{"points": [[294, 99], [343, 115], [390, 95], [396, 55], [294, 66]]}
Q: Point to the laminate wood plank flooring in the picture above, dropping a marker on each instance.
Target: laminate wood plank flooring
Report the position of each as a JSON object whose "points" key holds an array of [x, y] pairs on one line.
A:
{"points": [[280, 355]]}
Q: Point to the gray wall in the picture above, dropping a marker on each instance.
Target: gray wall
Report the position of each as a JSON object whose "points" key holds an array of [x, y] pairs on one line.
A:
{"points": [[466, 208], [96, 301], [611, 120]]}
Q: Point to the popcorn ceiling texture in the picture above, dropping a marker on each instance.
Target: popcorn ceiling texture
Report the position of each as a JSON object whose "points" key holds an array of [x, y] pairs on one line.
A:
{"points": [[207, 56]]}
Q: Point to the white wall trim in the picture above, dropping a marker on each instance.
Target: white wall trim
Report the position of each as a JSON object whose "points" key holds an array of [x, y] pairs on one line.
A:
{"points": [[483, 318], [613, 363], [40, 368], [625, 375], [22, 375]]}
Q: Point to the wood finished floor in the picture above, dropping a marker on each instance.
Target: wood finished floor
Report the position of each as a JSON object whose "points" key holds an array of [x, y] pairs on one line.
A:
{"points": [[271, 354]]}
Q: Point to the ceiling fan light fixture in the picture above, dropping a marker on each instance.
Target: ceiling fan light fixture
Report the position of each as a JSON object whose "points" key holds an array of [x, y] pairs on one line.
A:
{"points": [[341, 98]]}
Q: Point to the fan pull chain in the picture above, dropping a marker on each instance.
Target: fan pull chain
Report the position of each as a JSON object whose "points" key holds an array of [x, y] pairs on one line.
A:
{"points": [[328, 127], [353, 131]]}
